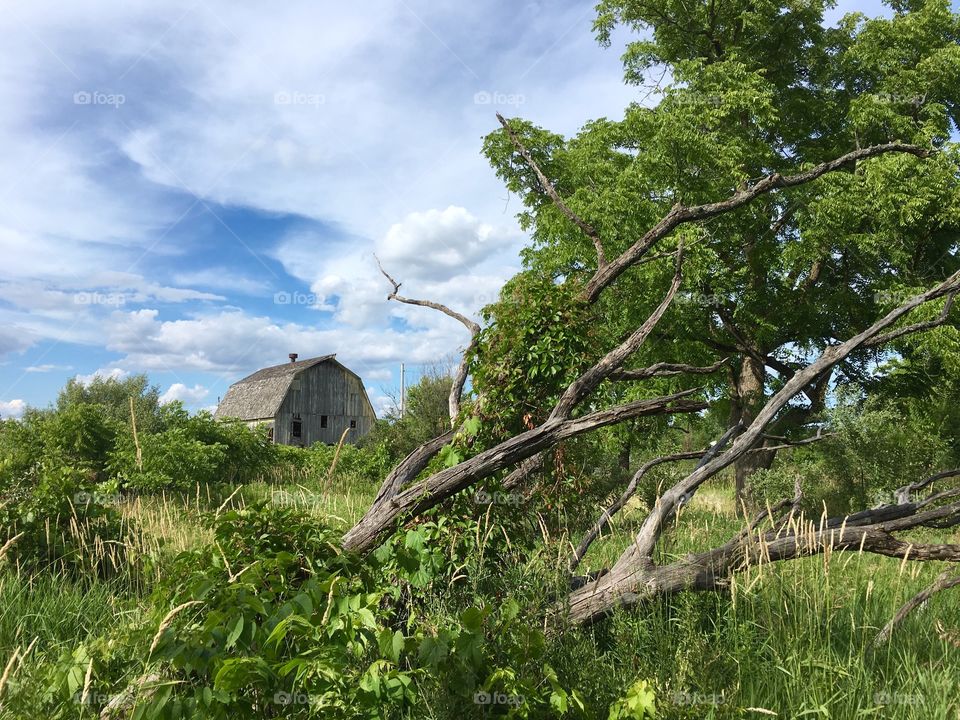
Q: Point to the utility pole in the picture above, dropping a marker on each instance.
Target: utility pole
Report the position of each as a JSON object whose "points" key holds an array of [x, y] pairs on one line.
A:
{"points": [[403, 391]]}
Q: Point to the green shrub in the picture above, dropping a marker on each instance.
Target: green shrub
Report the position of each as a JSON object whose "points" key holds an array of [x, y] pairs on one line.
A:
{"points": [[55, 508], [55, 518], [190, 450], [273, 620], [876, 449]]}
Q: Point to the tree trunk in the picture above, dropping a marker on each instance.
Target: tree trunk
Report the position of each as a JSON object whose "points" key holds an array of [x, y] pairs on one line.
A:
{"points": [[749, 397]]}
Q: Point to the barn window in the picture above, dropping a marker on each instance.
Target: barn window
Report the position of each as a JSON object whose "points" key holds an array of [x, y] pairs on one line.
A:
{"points": [[270, 434], [353, 424], [323, 421], [297, 428]]}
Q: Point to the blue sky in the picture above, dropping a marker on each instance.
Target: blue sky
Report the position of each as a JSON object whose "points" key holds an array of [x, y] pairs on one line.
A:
{"points": [[196, 188]]}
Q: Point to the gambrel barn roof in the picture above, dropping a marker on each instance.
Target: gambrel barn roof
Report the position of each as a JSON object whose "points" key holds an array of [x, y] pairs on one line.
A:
{"points": [[259, 396]]}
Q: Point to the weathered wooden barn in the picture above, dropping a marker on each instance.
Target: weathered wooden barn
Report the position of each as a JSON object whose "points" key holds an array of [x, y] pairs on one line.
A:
{"points": [[302, 402]]}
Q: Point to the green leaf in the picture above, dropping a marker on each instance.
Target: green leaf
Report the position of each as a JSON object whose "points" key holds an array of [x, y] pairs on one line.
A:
{"points": [[235, 629], [472, 618]]}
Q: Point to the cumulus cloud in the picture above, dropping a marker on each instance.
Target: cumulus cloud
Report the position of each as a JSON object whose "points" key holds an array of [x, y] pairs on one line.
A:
{"points": [[113, 373], [12, 409], [439, 243], [448, 256], [186, 395]]}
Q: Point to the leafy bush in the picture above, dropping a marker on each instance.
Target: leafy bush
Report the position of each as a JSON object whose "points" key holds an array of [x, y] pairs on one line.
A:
{"points": [[51, 471], [275, 620], [190, 449], [272, 620], [876, 449]]}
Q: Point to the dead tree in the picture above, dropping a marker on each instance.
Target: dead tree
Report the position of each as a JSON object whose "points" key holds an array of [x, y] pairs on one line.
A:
{"points": [[775, 535]]}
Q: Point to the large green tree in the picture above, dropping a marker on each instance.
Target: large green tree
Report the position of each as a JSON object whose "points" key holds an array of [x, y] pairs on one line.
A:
{"points": [[746, 90], [778, 213]]}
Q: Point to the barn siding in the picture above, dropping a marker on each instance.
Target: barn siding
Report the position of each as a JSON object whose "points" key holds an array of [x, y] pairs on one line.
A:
{"points": [[324, 389]]}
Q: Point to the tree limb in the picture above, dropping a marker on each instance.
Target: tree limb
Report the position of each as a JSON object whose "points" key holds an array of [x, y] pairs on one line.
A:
{"points": [[613, 360], [830, 357], [704, 455], [552, 193], [411, 466], [711, 570], [902, 494], [916, 327], [428, 493], [663, 369], [604, 520], [944, 582], [681, 214], [460, 376]]}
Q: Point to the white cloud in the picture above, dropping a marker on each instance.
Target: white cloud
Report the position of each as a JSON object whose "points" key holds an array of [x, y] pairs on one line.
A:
{"points": [[359, 119], [186, 395], [45, 368], [439, 243], [12, 409], [113, 373], [447, 256]]}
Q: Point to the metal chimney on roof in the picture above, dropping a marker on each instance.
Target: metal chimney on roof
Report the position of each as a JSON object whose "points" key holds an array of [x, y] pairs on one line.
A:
{"points": [[293, 357]]}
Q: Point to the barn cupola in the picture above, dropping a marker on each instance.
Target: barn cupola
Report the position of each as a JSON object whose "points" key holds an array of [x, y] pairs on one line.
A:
{"points": [[293, 357]]}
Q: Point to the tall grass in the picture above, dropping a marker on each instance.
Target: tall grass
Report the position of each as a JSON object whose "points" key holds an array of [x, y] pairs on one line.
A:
{"points": [[793, 639]]}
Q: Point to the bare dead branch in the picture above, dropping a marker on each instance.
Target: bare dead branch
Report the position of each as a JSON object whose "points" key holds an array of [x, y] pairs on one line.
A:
{"points": [[916, 327], [704, 455], [613, 360], [411, 466], [426, 494], [711, 570], [902, 494], [773, 514], [601, 524], [460, 376], [787, 443], [552, 193], [943, 582], [833, 354], [463, 319], [663, 369]]}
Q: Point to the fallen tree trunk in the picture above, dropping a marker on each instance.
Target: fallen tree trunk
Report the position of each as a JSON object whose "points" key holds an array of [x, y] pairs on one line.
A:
{"points": [[381, 517]]}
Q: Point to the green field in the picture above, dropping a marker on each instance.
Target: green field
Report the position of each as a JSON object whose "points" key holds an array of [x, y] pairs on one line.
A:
{"points": [[787, 640]]}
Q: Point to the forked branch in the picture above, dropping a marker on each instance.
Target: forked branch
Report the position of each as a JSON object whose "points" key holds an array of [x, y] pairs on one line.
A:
{"points": [[460, 376], [681, 214], [635, 566]]}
